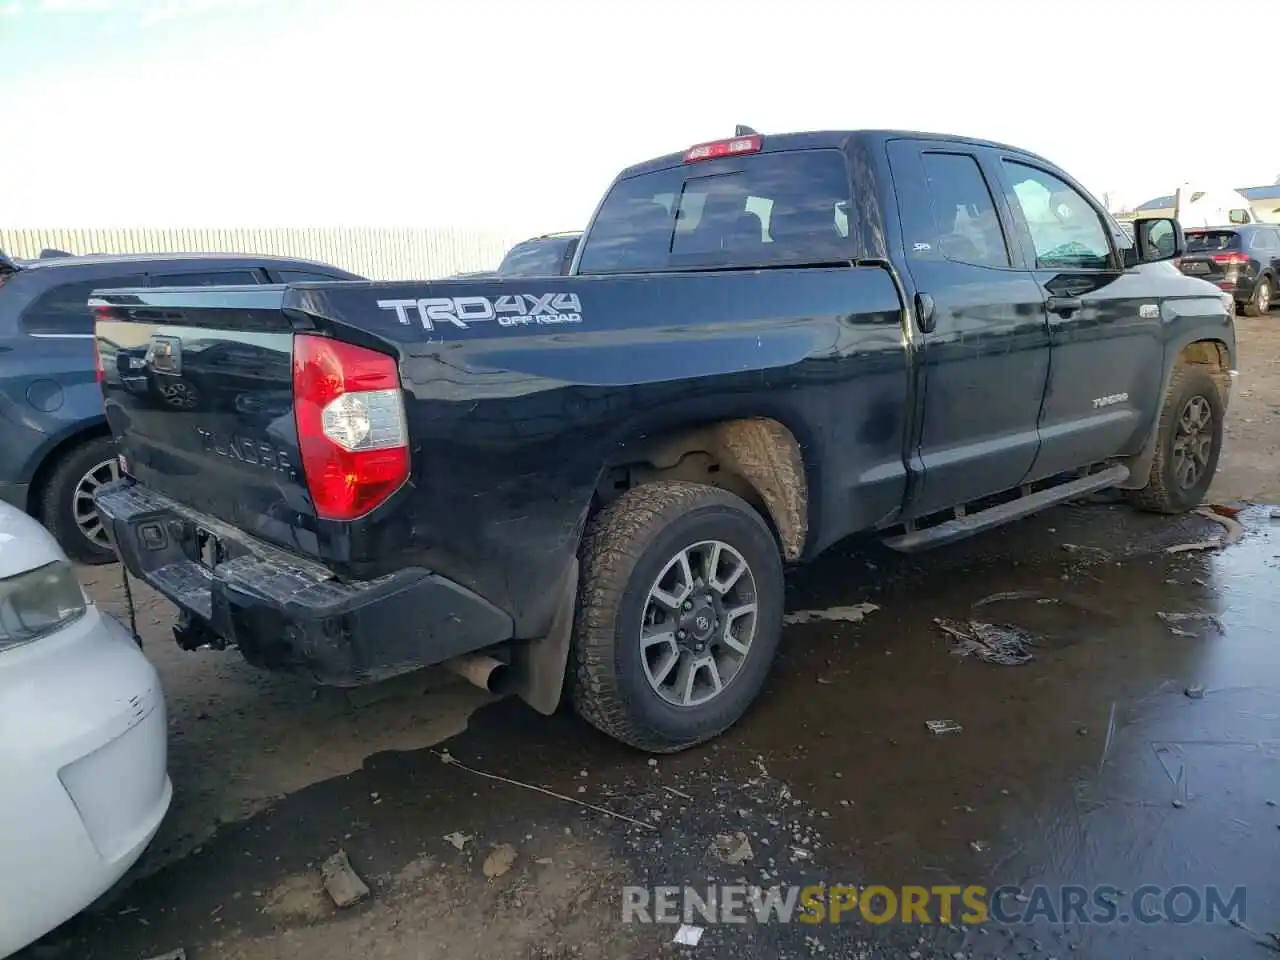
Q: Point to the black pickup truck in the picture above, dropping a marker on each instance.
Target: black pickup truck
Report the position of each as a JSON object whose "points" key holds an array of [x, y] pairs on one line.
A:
{"points": [[587, 486]]}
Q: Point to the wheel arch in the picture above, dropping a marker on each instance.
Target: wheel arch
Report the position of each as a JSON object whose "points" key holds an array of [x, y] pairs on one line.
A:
{"points": [[56, 449], [1210, 351], [759, 458]]}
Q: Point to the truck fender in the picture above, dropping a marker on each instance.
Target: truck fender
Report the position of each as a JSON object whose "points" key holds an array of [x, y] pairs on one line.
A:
{"points": [[539, 665], [1140, 463]]}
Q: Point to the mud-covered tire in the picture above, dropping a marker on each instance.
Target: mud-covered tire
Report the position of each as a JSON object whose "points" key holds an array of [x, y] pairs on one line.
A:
{"points": [[1165, 492], [625, 550], [1263, 299], [56, 506]]}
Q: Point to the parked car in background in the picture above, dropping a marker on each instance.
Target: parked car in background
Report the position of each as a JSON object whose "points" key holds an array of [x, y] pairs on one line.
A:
{"points": [[83, 740], [549, 255], [57, 448], [1243, 260]]}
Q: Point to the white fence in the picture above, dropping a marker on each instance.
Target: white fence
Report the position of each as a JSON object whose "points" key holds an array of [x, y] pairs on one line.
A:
{"points": [[380, 254]]}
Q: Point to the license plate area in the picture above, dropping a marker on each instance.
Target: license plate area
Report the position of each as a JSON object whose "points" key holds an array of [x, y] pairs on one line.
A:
{"points": [[209, 551], [1194, 267]]}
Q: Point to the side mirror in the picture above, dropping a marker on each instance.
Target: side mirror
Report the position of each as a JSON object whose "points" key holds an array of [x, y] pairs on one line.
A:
{"points": [[1156, 239]]}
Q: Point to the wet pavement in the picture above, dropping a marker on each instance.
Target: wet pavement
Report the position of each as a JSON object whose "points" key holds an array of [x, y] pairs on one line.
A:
{"points": [[1129, 751]]}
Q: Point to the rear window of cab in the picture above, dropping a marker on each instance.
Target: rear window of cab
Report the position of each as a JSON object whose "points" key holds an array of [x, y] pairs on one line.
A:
{"points": [[765, 209]]}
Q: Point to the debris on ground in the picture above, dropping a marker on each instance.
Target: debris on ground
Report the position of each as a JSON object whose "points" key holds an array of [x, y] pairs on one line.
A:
{"points": [[1227, 509], [459, 840], [1173, 619], [1195, 691], [179, 954], [499, 861], [343, 884], [688, 935], [1084, 548], [1232, 531], [731, 848], [446, 758], [941, 727], [853, 614], [998, 643], [1014, 595], [977, 846]]}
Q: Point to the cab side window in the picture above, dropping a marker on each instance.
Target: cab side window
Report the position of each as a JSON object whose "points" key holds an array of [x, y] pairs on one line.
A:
{"points": [[1066, 230], [964, 212]]}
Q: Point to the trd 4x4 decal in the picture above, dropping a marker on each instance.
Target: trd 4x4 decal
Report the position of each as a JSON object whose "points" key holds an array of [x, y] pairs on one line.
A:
{"points": [[510, 309]]}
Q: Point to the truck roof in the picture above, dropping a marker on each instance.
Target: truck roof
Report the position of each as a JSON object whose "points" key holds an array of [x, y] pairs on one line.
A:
{"points": [[818, 139]]}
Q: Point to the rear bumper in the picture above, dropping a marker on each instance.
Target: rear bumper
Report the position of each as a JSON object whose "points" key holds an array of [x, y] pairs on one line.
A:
{"points": [[286, 612]]}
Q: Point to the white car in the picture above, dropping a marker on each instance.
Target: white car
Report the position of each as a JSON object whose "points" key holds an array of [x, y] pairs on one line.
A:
{"points": [[84, 780]]}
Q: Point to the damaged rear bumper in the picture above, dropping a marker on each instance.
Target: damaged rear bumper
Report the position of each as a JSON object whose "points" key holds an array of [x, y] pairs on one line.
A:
{"points": [[286, 612]]}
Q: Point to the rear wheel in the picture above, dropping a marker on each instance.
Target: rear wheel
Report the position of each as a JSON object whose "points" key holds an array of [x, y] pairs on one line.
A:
{"points": [[66, 501], [1263, 297], [1189, 443], [679, 615]]}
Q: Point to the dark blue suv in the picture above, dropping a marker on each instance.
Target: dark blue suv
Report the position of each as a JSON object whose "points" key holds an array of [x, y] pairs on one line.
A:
{"points": [[55, 448]]}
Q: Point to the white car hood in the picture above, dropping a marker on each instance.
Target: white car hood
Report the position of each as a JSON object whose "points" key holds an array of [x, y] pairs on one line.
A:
{"points": [[24, 543]]}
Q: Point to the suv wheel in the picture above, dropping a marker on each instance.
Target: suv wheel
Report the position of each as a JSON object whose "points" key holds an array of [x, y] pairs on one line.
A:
{"points": [[679, 615], [66, 502], [1263, 297], [1188, 444]]}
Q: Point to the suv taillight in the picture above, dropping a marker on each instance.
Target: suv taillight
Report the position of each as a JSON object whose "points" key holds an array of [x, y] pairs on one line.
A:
{"points": [[351, 425], [97, 362], [1230, 258]]}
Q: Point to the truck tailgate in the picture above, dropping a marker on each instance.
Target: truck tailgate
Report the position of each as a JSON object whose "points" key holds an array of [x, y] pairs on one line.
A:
{"points": [[200, 400]]}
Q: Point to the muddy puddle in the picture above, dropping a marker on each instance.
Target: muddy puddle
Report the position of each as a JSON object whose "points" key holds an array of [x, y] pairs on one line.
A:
{"points": [[1130, 751]]}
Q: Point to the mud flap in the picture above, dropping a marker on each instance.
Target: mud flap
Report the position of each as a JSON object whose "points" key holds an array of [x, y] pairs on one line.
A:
{"points": [[539, 665]]}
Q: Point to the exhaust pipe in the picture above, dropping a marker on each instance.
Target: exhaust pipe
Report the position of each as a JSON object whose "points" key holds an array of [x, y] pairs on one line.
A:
{"points": [[490, 675]]}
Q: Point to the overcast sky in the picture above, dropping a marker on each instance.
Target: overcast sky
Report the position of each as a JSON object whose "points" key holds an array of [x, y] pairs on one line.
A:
{"points": [[515, 114]]}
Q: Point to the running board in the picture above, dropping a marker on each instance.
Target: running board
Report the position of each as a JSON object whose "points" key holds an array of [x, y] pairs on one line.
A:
{"points": [[967, 525]]}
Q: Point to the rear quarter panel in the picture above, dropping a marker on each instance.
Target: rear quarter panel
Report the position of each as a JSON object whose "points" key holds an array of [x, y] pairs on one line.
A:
{"points": [[512, 420]]}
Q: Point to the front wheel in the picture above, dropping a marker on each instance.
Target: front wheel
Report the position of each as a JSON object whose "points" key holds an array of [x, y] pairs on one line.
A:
{"points": [[1189, 443], [1263, 297], [679, 615]]}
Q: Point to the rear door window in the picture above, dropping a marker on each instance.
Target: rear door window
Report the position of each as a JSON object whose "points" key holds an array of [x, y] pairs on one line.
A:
{"points": [[765, 209], [1265, 240], [964, 212], [63, 311], [1211, 241], [205, 278]]}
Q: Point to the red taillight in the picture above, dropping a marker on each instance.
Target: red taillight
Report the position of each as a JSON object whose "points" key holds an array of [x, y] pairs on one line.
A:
{"points": [[724, 148], [1230, 258], [351, 425], [97, 362]]}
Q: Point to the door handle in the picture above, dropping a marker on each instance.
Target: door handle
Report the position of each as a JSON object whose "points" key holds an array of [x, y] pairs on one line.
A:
{"points": [[1064, 306], [925, 318]]}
